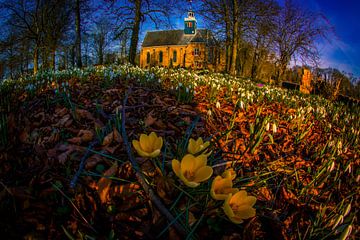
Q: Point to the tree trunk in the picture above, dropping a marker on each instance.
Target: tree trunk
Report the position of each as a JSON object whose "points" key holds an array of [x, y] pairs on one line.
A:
{"points": [[135, 32], [78, 34], [228, 36], [281, 72], [235, 42], [53, 55], [101, 54], [72, 56], [36, 60]]}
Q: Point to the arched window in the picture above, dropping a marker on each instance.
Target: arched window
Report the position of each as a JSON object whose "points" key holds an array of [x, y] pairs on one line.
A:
{"points": [[161, 56], [148, 58], [174, 56]]}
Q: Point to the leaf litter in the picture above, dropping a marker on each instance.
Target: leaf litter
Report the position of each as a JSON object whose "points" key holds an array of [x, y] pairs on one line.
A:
{"points": [[49, 141]]}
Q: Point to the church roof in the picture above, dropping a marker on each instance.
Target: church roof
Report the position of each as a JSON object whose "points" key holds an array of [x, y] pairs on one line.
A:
{"points": [[176, 37]]}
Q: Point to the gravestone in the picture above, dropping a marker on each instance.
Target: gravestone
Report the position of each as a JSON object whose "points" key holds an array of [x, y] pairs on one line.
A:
{"points": [[305, 86]]}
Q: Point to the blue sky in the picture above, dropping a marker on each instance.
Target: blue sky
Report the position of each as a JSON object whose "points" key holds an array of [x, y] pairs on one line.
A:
{"points": [[341, 51]]}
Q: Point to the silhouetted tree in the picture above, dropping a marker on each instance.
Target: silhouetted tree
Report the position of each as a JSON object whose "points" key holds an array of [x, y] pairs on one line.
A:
{"points": [[297, 31], [130, 14]]}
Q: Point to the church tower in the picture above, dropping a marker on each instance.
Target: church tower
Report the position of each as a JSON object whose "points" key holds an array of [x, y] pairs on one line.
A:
{"points": [[190, 23]]}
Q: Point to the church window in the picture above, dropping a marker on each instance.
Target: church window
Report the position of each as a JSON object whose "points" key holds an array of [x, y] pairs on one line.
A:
{"points": [[196, 52], [174, 56], [148, 57], [210, 55], [161, 56]]}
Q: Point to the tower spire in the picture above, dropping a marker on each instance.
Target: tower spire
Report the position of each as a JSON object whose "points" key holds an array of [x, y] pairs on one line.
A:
{"points": [[190, 21]]}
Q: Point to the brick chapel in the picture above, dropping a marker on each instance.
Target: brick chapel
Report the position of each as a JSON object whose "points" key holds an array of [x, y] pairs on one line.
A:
{"points": [[188, 48]]}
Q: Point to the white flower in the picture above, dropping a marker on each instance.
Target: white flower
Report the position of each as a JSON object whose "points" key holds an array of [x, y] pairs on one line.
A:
{"points": [[217, 104], [274, 128], [241, 104]]}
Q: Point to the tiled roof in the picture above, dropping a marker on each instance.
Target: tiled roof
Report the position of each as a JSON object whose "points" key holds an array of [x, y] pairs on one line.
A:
{"points": [[176, 37]]}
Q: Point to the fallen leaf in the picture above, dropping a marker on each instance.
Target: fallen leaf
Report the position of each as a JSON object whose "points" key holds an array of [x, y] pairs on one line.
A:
{"points": [[160, 124], [105, 182], [126, 190], [264, 194], [149, 119], [61, 111], [108, 139], [24, 136], [86, 135], [65, 121], [110, 150], [113, 136], [92, 161], [75, 140], [83, 114]]}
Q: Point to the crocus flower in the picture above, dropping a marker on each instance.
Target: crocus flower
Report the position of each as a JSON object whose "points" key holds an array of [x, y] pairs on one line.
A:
{"points": [[192, 170], [149, 145], [221, 187], [229, 173], [239, 206], [197, 146]]}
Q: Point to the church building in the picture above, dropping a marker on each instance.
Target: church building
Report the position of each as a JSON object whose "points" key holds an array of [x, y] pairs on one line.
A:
{"points": [[189, 48]]}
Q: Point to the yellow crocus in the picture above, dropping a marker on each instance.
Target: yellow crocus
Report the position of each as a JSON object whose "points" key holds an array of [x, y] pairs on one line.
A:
{"points": [[229, 173], [221, 187], [148, 145], [192, 170], [239, 206], [197, 146]]}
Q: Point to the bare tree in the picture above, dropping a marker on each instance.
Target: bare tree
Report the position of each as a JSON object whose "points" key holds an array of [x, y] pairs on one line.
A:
{"points": [[82, 11], [238, 18], [25, 16], [78, 33], [130, 14], [39, 22], [101, 37], [296, 34], [55, 23]]}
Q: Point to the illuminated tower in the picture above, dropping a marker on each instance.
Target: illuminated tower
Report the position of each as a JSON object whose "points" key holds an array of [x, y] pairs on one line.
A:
{"points": [[190, 22]]}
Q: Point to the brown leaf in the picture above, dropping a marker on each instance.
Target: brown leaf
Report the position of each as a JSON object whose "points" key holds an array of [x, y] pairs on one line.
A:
{"points": [[117, 136], [61, 111], [149, 119], [104, 183], [108, 149], [288, 195], [64, 156], [113, 136], [24, 136], [38, 119], [86, 135], [92, 161], [66, 151], [83, 114], [160, 124], [187, 119], [264, 194], [126, 190], [191, 219], [65, 121], [75, 140]]}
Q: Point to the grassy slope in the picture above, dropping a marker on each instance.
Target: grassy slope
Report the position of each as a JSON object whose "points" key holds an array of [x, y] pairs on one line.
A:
{"points": [[304, 174]]}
